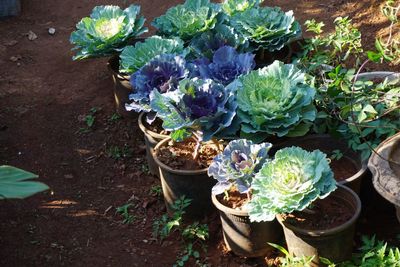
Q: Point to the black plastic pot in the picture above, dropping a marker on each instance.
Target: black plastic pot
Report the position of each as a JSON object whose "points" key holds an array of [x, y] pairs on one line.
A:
{"points": [[327, 144], [122, 87], [335, 244], [151, 139], [245, 238], [193, 184]]}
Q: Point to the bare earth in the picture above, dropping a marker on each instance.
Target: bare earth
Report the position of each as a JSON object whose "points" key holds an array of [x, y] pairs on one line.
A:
{"points": [[43, 97]]}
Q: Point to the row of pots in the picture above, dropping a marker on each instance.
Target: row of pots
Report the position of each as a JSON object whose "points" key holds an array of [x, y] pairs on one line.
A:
{"points": [[240, 235]]}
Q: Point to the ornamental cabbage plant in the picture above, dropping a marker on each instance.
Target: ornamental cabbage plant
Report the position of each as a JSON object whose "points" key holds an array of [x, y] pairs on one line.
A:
{"points": [[188, 19], [275, 100], [106, 31], [204, 107], [206, 43], [226, 66], [162, 73], [133, 58], [266, 27], [290, 182], [237, 165]]}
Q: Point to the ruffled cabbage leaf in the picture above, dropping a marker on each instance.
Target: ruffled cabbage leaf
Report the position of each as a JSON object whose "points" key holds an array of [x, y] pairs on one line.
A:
{"points": [[106, 31], [266, 27], [226, 66], [188, 19], [206, 43], [202, 106], [290, 182], [237, 165], [162, 73], [134, 57], [275, 100]]}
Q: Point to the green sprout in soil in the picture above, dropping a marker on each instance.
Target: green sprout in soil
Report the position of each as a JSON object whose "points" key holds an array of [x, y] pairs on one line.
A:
{"points": [[124, 212], [193, 236], [156, 190], [89, 120], [117, 153], [114, 118]]}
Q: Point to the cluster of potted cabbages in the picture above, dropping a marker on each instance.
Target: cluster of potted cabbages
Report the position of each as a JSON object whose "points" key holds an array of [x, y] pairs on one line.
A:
{"points": [[214, 87]]}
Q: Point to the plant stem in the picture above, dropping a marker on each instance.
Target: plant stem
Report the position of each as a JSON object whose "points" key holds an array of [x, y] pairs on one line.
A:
{"points": [[198, 137]]}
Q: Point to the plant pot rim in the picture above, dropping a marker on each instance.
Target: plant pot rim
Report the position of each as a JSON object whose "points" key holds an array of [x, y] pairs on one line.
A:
{"points": [[146, 130], [380, 74], [330, 231], [226, 209], [169, 169], [114, 60], [385, 171], [350, 179]]}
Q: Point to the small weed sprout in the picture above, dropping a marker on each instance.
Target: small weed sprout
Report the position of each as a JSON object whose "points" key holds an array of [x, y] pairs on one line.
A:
{"points": [[193, 235], [124, 212]]}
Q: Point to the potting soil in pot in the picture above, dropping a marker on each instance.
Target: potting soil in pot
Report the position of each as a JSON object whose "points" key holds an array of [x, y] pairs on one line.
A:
{"points": [[236, 200], [180, 155], [324, 214], [343, 168]]}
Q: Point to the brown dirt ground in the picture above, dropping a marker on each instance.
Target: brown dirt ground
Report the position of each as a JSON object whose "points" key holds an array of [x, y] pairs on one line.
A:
{"points": [[43, 96]]}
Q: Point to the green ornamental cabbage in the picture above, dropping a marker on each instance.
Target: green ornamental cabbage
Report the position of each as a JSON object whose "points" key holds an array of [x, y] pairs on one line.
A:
{"points": [[106, 31], [133, 58], [275, 100], [290, 182], [188, 19], [266, 27]]}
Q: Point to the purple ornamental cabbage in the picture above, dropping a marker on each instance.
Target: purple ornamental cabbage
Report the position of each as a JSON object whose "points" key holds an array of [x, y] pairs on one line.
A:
{"points": [[203, 106], [162, 73], [237, 165], [227, 65]]}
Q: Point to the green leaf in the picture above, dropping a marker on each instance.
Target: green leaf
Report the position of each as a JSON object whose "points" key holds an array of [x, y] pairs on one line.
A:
{"points": [[133, 58], [180, 135], [13, 184]]}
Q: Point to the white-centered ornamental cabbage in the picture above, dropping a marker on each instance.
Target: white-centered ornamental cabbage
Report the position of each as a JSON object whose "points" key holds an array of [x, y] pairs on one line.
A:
{"points": [[106, 31], [290, 182]]}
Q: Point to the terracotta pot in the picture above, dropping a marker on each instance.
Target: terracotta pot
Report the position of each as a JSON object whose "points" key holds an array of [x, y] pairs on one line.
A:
{"points": [[122, 88], [193, 184], [151, 139], [245, 238], [327, 144], [335, 244]]}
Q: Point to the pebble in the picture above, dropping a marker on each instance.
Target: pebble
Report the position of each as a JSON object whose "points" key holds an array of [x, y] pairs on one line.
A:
{"points": [[32, 36], [52, 31]]}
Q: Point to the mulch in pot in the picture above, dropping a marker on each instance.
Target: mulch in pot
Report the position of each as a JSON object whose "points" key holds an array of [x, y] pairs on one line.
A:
{"points": [[180, 155]]}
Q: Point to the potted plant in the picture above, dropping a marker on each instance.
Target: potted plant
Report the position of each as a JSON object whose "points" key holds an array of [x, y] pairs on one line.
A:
{"points": [[163, 74], [298, 187], [194, 113], [105, 33], [234, 169]]}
